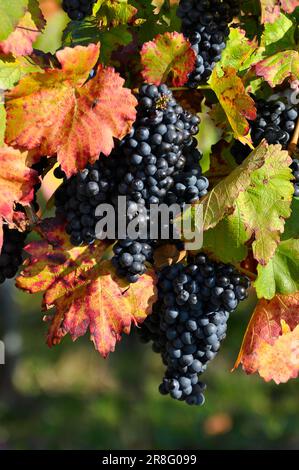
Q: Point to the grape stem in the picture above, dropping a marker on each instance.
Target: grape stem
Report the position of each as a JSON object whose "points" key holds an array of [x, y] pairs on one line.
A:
{"points": [[184, 88], [29, 29], [295, 138], [32, 217], [247, 273]]}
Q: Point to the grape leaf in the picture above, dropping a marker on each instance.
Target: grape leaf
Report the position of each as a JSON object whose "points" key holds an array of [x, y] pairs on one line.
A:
{"points": [[291, 229], [239, 51], [271, 342], [20, 41], [89, 115], [221, 200], [83, 288], [12, 69], [88, 31], [271, 8], [235, 101], [169, 55], [265, 204], [16, 181], [281, 274], [279, 35], [167, 255], [111, 13], [227, 240], [278, 67], [10, 13]]}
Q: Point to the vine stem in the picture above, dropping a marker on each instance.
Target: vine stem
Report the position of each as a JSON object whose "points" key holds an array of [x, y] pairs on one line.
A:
{"points": [[295, 139], [184, 88], [247, 273], [29, 29], [32, 217]]}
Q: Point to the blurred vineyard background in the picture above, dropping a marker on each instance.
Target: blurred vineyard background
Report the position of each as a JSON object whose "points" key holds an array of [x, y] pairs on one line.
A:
{"points": [[70, 398]]}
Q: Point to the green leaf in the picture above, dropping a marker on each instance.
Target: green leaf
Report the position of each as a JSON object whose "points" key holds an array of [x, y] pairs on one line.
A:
{"points": [[50, 39], [291, 229], [266, 202], [278, 67], [113, 13], [281, 274], [208, 135], [227, 240], [12, 70], [88, 31], [168, 55], [278, 36], [221, 200], [11, 11], [238, 52]]}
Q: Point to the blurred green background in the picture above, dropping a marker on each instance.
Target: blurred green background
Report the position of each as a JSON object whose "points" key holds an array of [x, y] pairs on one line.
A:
{"points": [[71, 398]]}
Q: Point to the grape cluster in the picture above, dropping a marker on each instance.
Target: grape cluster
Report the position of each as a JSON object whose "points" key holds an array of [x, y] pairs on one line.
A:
{"points": [[78, 198], [158, 162], [275, 122], [78, 9], [295, 170], [205, 24], [130, 257], [156, 151], [11, 253], [189, 321]]}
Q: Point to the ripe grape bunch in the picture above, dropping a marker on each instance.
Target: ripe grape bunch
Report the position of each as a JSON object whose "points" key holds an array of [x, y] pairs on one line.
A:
{"points": [[275, 122], [77, 198], [78, 9], [11, 253], [158, 162], [205, 24], [189, 321]]}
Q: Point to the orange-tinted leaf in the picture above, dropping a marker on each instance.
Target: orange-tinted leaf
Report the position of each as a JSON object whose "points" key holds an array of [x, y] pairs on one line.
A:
{"points": [[16, 181], [108, 307], [20, 41], [168, 55], [167, 255], [235, 101], [271, 342], [85, 290], [88, 117]]}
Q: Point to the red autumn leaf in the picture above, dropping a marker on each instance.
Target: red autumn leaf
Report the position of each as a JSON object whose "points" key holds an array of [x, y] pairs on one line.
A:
{"points": [[168, 55], [19, 42], [271, 342], [84, 289], [271, 8], [16, 182], [89, 115], [276, 68]]}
